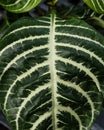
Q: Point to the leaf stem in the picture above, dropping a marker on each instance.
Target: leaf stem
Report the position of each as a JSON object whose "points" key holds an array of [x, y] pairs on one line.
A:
{"points": [[97, 21]]}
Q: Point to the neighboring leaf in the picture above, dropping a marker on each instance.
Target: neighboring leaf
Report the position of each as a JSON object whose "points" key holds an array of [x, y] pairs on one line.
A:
{"points": [[51, 74], [19, 6], [3, 122], [96, 5], [97, 21]]}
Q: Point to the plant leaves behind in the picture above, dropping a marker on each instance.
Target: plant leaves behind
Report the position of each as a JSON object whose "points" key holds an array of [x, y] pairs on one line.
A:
{"points": [[3, 122], [19, 6], [51, 74], [96, 5]]}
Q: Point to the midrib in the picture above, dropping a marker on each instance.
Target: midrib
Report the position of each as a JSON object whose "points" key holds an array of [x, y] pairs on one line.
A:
{"points": [[53, 71]]}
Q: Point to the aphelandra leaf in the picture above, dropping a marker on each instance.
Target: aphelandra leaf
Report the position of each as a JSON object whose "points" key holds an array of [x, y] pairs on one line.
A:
{"points": [[96, 5], [51, 74], [19, 6]]}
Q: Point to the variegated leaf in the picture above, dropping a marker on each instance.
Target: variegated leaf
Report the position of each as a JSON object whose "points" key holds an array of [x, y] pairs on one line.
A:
{"points": [[96, 5], [51, 74], [19, 6]]}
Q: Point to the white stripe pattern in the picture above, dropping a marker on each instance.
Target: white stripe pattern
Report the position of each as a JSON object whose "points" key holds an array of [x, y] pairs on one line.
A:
{"points": [[20, 6], [41, 118], [13, 4], [24, 27], [73, 113], [96, 5], [19, 78], [24, 54], [27, 99], [93, 4], [92, 54], [82, 68], [51, 70], [84, 94], [23, 7], [75, 26], [20, 41], [52, 58], [100, 6], [80, 37]]}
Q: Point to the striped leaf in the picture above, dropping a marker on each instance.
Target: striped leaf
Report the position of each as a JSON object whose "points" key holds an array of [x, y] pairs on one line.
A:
{"points": [[96, 5], [19, 6], [51, 74]]}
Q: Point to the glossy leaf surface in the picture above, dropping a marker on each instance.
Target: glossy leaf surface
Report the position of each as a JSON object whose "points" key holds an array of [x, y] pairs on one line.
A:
{"points": [[51, 74]]}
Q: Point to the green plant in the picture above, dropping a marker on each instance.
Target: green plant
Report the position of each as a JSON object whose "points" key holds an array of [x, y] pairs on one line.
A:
{"points": [[19, 6], [51, 72], [97, 5]]}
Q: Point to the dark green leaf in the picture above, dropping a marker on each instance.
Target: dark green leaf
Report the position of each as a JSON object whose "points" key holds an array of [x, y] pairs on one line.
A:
{"points": [[51, 74]]}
